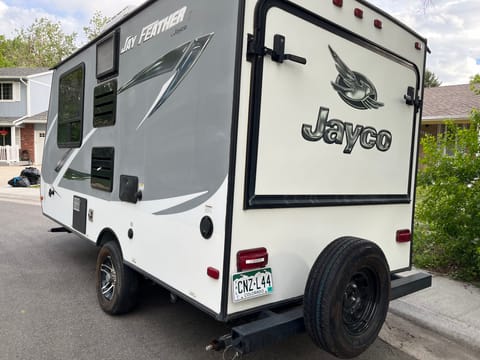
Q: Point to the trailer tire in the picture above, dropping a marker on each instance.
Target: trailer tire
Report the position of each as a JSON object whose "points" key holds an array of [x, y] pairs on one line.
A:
{"points": [[116, 284], [347, 296]]}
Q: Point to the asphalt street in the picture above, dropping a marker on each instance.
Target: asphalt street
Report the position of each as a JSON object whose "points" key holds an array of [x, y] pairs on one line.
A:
{"points": [[48, 308]]}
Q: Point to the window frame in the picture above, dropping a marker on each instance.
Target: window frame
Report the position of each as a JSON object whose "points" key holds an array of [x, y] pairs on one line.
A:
{"points": [[15, 91], [113, 71], [77, 143], [2, 84]]}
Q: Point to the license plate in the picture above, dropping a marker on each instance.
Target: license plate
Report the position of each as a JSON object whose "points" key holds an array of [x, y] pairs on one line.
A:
{"points": [[252, 284]]}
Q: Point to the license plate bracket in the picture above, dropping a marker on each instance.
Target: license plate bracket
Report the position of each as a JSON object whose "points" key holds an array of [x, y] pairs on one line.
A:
{"points": [[252, 284]]}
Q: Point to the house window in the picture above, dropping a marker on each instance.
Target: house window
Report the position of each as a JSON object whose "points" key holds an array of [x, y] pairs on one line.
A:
{"points": [[6, 91], [70, 107]]}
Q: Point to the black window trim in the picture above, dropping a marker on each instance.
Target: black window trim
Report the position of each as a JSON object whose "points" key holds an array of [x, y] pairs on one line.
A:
{"points": [[116, 56], [73, 144]]}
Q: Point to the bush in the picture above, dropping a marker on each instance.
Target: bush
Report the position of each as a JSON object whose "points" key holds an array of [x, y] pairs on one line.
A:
{"points": [[447, 237]]}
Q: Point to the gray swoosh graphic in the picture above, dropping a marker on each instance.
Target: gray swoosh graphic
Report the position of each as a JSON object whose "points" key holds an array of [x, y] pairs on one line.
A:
{"points": [[180, 60]]}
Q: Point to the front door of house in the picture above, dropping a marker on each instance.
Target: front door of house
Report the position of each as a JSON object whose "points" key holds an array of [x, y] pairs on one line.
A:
{"points": [[39, 142]]}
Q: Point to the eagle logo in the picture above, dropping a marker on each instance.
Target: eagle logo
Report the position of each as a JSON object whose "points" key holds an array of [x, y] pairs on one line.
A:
{"points": [[354, 88]]}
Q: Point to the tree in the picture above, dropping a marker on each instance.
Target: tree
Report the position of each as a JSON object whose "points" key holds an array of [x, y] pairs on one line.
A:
{"points": [[430, 80], [96, 24], [475, 84], [42, 44], [5, 51], [447, 234]]}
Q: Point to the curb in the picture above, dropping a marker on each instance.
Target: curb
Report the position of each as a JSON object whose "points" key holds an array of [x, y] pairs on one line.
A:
{"points": [[447, 327]]}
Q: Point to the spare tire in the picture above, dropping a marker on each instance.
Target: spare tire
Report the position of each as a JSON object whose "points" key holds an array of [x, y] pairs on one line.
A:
{"points": [[346, 297]]}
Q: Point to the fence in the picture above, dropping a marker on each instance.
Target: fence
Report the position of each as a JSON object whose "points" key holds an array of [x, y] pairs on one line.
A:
{"points": [[9, 153]]}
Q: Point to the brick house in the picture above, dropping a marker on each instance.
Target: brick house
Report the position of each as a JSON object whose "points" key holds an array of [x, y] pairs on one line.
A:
{"points": [[454, 102], [24, 98]]}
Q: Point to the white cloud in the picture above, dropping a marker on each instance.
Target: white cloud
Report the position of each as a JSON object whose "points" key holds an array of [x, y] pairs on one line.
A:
{"points": [[12, 18], [452, 30], [72, 14], [76, 8]]}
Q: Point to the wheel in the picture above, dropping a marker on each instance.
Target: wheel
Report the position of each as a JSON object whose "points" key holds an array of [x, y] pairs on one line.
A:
{"points": [[117, 284], [346, 297]]}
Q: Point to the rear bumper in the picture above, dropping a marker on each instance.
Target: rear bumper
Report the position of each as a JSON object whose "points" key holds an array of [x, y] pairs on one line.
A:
{"points": [[404, 285], [271, 327]]}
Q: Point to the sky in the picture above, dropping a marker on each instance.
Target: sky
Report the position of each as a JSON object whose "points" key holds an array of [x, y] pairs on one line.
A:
{"points": [[452, 27]]}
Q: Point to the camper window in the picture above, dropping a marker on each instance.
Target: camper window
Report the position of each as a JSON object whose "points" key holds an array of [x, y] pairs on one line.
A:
{"points": [[107, 55], [70, 107]]}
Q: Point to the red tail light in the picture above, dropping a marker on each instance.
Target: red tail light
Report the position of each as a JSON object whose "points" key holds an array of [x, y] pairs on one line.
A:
{"points": [[404, 236], [252, 259]]}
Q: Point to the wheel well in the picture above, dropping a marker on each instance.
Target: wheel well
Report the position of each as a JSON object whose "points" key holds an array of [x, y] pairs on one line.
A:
{"points": [[105, 236]]}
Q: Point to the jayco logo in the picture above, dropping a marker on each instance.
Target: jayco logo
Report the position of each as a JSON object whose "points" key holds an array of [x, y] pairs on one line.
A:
{"points": [[335, 131], [358, 91], [354, 88]]}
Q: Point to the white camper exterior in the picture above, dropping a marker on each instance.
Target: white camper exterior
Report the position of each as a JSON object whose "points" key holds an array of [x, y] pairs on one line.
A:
{"points": [[220, 147]]}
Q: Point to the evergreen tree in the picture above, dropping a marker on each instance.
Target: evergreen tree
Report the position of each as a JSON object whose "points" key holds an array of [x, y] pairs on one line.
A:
{"points": [[430, 79]]}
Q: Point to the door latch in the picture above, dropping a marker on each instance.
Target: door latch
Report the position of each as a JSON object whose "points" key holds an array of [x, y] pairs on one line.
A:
{"points": [[411, 98], [277, 53]]}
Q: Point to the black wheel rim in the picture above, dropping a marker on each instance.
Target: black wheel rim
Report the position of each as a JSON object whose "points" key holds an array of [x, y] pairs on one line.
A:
{"points": [[108, 278], [360, 301]]}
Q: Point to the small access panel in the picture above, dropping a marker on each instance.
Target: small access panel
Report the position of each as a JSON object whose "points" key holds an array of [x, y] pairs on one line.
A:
{"points": [[79, 214]]}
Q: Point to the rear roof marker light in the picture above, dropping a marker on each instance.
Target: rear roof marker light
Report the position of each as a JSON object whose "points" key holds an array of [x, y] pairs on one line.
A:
{"points": [[338, 3], [358, 13], [418, 45], [377, 23]]}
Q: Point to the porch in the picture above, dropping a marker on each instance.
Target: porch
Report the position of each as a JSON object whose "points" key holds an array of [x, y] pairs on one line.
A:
{"points": [[10, 155]]}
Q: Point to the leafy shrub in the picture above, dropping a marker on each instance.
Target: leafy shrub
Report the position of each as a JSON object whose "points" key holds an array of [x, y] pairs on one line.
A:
{"points": [[447, 234]]}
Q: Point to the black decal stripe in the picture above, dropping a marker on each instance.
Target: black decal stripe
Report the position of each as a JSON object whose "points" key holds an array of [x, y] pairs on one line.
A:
{"points": [[72, 174], [292, 201]]}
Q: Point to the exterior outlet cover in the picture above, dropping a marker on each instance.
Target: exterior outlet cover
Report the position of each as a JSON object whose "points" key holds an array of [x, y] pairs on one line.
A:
{"points": [[129, 188]]}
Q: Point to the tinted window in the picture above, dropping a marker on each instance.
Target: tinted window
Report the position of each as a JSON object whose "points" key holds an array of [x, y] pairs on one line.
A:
{"points": [[107, 55], [70, 107]]}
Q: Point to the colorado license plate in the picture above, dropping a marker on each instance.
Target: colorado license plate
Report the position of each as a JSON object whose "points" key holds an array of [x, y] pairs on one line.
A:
{"points": [[252, 284]]}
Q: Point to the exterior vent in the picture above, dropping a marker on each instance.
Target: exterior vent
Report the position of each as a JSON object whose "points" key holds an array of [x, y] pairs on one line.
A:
{"points": [[102, 168], [105, 104]]}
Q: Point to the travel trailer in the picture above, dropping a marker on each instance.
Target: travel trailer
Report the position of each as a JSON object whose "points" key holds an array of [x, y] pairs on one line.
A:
{"points": [[254, 157]]}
